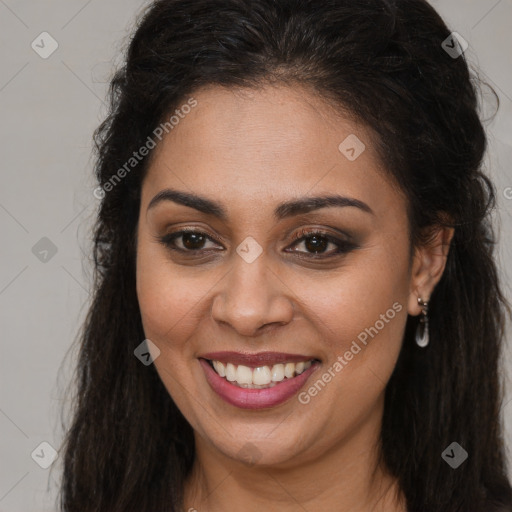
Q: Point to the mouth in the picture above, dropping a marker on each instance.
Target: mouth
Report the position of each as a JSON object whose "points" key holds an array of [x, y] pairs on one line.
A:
{"points": [[261, 377], [254, 384]]}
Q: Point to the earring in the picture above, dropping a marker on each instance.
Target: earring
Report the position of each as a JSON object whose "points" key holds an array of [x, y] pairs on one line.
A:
{"points": [[422, 337]]}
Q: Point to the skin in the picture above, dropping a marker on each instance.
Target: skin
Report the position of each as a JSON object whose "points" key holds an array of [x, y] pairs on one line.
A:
{"points": [[250, 150]]}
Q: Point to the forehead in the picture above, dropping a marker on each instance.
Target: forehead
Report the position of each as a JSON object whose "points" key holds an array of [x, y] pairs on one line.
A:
{"points": [[259, 146]]}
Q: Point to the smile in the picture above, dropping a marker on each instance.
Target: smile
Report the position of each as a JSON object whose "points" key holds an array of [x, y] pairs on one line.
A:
{"points": [[265, 380], [261, 377]]}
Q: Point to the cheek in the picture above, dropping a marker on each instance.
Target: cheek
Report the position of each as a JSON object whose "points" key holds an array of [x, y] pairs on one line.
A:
{"points": [[170, 306], [169, 300], [352, 299], [360, 315]]}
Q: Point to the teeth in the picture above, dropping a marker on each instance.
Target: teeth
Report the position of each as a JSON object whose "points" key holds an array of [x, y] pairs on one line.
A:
{"points": [[277, 372], [219, 368], [289, 370], [230, 372], [244, 375], [261, 377]]}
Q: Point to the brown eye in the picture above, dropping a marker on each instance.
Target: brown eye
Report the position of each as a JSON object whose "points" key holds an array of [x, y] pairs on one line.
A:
{"points": [[193, 241], [186, 241], [317, 242]]}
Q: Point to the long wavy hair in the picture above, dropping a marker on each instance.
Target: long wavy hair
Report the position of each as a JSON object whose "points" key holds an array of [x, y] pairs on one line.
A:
{"points": [[128, 447]]}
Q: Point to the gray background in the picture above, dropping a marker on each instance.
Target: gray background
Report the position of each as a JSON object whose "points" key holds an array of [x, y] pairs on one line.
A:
{"points": [[49, 108]]}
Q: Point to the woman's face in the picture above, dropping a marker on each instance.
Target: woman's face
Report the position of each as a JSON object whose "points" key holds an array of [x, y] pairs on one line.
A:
{"points": [[255, 291]]}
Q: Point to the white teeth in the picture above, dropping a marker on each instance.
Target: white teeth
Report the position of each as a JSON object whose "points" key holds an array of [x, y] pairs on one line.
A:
{"points": [[244, 375], [219, 368], [260, 377], [230, 372], [277, 372], [289, 370]]}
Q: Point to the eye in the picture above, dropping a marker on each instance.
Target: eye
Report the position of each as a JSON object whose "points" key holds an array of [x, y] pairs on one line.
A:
{"points": [[186, 240], [317, 241]]}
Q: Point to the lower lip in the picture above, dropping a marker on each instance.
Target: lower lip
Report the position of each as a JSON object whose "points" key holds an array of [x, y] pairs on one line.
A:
{"points": [[246, 398]]}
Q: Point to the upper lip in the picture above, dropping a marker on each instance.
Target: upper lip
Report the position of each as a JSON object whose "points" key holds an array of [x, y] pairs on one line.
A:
{"points": [[257, 359]]}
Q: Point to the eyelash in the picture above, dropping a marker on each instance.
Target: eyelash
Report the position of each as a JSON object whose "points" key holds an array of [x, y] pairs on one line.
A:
{"points": [[343, 246]]}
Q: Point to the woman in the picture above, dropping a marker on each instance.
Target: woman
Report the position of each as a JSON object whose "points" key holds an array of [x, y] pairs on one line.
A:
{"points": [[296, 305]]}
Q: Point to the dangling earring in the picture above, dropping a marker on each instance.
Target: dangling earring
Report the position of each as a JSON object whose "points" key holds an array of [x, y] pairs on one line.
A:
{"points": [[422, 337]]}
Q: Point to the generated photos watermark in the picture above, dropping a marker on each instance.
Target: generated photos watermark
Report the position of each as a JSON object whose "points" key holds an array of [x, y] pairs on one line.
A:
{"points": [[138, 156], [305, 396]]}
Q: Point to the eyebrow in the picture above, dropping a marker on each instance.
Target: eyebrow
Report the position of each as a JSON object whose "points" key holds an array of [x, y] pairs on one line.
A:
{"points": [[282, 211]]}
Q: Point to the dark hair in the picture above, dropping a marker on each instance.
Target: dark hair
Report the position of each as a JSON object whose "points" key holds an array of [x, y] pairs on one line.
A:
{"points": [[128, 447]]}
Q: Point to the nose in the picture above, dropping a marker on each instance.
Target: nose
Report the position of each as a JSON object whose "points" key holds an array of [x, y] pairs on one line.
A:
{"points": [[252, 298]]}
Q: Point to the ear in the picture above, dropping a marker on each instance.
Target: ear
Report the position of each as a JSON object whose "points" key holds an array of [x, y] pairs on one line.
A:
{"points": [[428, 265]]}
